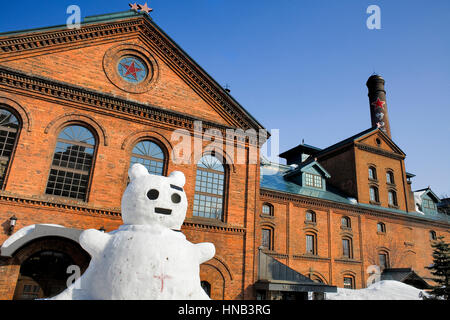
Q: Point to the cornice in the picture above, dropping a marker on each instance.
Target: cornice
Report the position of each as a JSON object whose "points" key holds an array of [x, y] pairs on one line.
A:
{"points": [[63, 38], [16, 80], [326, 204], [368, 148], [211, 226], [22, 43], [55, 204]]}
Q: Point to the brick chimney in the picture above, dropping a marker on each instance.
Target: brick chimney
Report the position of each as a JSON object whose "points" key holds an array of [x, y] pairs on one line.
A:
{"points": [[378, 106]]}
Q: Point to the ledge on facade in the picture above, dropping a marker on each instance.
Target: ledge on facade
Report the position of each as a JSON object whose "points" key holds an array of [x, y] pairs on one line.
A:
{"points": [[347, 229], [57, 203], [347, 260], [312, 223], [409, 244], [273, 253], [393, 206], [309, 256], [376, 203], [381, 233], [212, 224], [268, 216]]}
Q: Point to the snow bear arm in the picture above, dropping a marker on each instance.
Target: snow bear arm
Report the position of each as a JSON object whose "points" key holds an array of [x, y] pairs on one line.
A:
{"points": [[206, 251], [94, 241]]}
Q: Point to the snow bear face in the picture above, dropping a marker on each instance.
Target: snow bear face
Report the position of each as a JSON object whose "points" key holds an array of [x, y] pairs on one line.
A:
{"points": [[151, 199]]}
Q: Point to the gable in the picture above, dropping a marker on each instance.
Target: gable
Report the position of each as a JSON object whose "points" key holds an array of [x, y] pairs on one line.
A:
{"points": [[378, 142], [80, 57]]}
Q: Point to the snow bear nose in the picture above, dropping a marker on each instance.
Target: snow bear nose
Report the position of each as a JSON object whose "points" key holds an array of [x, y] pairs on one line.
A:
{"points": [[153, 194]]}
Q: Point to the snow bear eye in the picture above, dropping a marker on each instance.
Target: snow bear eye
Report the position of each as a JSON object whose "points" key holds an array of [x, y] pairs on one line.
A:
{"points": [[176, 198], [153, 194]]}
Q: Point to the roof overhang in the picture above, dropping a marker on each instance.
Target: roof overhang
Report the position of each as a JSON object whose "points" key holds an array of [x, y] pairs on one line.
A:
{"points": [[277, 285]]}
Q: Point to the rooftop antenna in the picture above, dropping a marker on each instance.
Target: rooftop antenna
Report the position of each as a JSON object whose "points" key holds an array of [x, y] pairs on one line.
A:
{"points": [[227, 88], [303, 141]]}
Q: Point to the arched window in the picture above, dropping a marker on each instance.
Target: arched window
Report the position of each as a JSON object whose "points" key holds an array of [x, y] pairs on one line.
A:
{"points": [[346, 222], [311, 243], [310, 216], [9, 131], [72, 163], [433, 235], [149, 154], [392, 197], [349, 281], [209, 188], [372, 173], [373, 192], [347, 248], [383, 258], [390, 177], [267, 238], [267, 209], [381, 227]]}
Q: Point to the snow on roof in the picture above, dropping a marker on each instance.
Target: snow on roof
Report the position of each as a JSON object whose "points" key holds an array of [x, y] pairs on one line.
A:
{"points": [[382, 290]]}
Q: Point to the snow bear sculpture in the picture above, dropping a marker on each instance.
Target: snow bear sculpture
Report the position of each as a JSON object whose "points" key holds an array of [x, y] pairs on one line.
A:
{"points": [[147, 257]]}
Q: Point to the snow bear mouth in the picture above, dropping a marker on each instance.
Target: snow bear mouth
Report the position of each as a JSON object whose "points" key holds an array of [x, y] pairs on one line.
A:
{"points": [[163, 211]]}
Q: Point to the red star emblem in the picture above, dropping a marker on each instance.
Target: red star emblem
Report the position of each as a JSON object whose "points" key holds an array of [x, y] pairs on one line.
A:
{"points": [[131, 69], [378, 103]]}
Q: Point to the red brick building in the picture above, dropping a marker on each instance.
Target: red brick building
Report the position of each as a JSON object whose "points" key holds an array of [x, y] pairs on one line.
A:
{"points": [[78, 106]]}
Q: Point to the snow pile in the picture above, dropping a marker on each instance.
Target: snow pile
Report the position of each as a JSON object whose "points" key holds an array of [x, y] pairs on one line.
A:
{"points": [[382, 290]]}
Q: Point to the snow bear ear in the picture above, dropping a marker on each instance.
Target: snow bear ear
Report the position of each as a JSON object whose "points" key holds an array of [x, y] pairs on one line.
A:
{"points": [[136, 171], [178, 178]]}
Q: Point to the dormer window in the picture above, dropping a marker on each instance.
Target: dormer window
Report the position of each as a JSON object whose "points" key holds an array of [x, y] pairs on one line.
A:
{"points": [[313, 180], [429, 204]]}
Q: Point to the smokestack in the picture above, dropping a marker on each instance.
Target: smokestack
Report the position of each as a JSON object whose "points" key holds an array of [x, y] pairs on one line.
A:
{"points": [[378, 107]]}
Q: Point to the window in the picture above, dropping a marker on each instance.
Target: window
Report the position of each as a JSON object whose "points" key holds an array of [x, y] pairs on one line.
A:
{"points": [[381, 227], [383, 258], [209, 188], [150, 155], [9, 131], [266, 238], [429, 204], [310, 216], [347, 250], [313, 180], [373, 192], [72, 163], [267, 209], [372, 173], [345, 221], [311, 244], [390, 177], [349, 283], [433, 235], [392, 198]]}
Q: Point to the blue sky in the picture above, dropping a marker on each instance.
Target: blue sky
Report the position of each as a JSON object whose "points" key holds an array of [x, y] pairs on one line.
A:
{"points": [[301, 66]]}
